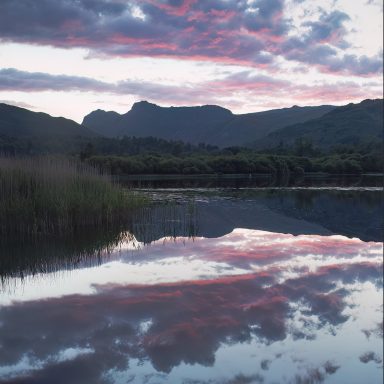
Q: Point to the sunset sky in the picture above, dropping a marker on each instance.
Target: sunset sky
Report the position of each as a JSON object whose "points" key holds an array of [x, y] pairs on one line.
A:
{"points": [[69, 57]]}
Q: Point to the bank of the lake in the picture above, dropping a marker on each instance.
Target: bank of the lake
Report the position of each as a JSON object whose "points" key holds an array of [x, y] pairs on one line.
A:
{"points": [[315, 180]]}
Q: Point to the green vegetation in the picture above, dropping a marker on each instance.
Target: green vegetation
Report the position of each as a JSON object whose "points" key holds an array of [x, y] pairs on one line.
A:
{"points": [[140, 146], [158, 156], [55, 196], [352, 125]]}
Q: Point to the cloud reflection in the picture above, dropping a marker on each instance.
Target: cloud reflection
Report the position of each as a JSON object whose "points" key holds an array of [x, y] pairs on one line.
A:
{"points": [[81, 338]]}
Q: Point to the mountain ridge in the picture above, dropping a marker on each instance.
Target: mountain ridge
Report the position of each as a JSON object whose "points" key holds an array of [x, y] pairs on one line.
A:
{"points": [[39, 129], [352, 124], [324, 127], [210, 124]]}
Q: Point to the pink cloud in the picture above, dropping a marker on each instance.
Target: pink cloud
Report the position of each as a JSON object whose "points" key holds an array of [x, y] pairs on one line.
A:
{"points": [[175, 10], [222, 32]]}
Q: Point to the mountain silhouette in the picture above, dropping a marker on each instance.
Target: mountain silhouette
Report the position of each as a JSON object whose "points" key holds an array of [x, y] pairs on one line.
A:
{"points": [[323, 126], [38, 129], [208, 124], [350, 125]]}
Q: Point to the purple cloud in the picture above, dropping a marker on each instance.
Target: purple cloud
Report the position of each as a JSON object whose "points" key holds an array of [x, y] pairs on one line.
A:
{"points": [[328, 29], [237, 32], [13, 80], [319, 47], [245, 82]]}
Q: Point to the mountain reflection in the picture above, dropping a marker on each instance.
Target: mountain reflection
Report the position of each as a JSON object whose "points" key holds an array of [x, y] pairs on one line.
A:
{"points": [[263, 289], [354, 213]]}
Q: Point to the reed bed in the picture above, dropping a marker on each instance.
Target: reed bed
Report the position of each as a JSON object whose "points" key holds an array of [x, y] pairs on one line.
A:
{"points": [[56, 196]]}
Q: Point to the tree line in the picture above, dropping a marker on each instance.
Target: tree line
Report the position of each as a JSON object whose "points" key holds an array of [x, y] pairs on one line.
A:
{"points": [[131, 155]]}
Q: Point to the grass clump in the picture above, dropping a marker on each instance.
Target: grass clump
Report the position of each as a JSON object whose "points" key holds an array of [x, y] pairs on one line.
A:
{"points": [[56, 196]]}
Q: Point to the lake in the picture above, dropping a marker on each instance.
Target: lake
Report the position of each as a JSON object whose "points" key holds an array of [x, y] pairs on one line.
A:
{"points": [[219, 281]]}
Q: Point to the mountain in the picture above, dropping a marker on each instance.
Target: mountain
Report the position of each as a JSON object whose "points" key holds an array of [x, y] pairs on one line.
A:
{"points": [[20, 127], [245, 128], [189, 124], [323, 126], [208, 124], [103, 123], [350, 125]]}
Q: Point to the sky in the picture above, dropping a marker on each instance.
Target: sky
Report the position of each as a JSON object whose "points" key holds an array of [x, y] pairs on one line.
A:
{"points": [[70, 57]]}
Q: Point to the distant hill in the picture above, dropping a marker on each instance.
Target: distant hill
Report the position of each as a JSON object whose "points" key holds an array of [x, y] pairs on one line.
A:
{"points": [[103, 123], [20, 127], [190, 124], [245, 128], [208, 124], [323, 126], [349, 125]]}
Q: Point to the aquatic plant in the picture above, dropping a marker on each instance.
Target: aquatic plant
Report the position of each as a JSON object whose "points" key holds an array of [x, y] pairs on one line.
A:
{"points": [[56, 196]]}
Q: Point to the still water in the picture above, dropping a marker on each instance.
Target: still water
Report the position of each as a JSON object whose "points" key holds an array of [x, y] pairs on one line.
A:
{"points": [[227, 283]]}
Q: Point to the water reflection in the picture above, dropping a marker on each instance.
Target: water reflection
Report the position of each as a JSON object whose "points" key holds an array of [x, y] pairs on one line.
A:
{"points": [[251, 306], [178, 213], [353, 213], [24, 257]]}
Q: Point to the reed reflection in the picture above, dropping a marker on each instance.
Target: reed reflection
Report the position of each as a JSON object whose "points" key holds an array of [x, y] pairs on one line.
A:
{"points": [[31, 256]]}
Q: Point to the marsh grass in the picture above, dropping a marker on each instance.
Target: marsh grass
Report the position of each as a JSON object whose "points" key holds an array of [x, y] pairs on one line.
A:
{"points": [[59, 196]]}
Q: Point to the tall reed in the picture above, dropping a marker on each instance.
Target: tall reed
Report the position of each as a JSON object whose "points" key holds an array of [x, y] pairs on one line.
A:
{"points": [[55, 195]]}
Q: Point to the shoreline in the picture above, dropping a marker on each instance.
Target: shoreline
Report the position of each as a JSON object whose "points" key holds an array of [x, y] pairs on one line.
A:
{"points": [[154, 176]]}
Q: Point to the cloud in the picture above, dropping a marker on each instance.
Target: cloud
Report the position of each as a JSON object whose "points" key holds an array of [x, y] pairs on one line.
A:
{"points": [[190, 29], [370, 356], [254, 33], [13, 80], [316, 375], [327, 59], [323, 46], [328, 29], [246, 83], [20, 104]]}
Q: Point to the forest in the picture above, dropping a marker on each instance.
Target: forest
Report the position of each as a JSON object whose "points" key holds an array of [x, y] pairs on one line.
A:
{"points": [[131, 155]]}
